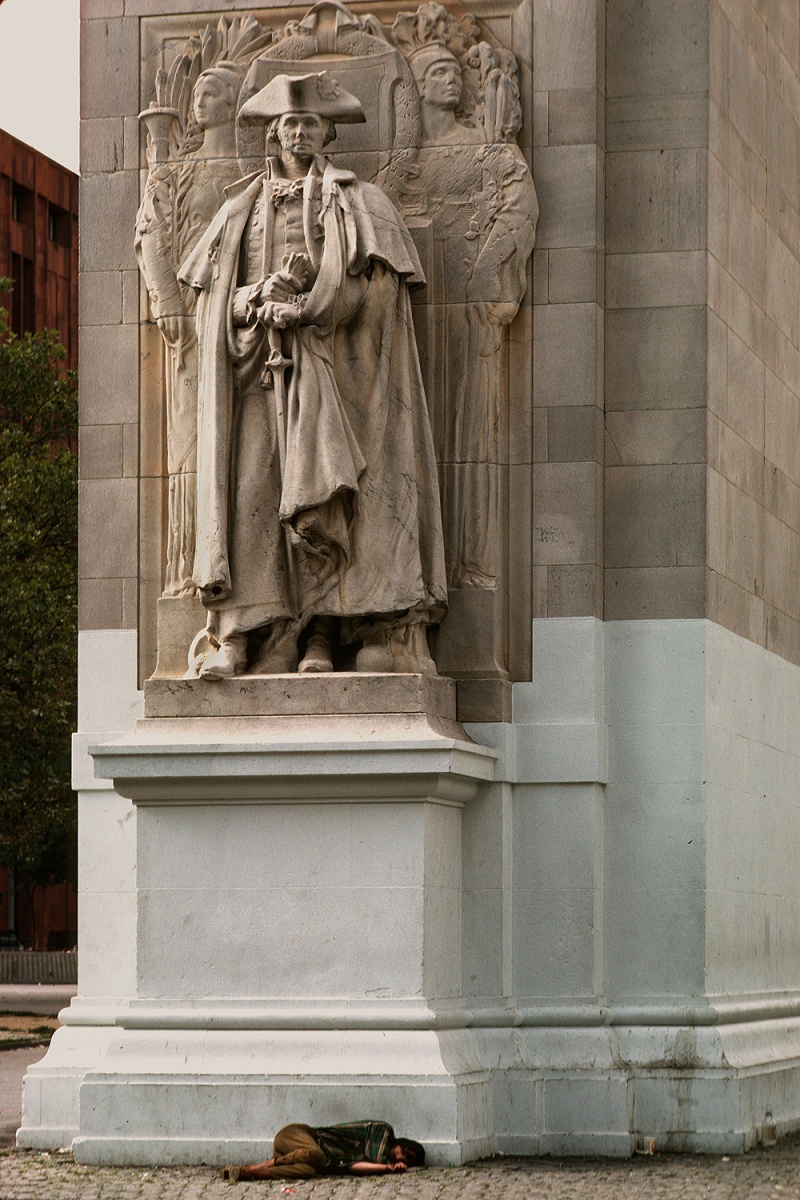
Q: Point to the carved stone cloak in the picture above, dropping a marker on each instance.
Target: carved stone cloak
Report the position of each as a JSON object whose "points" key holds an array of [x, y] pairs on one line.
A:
{"points": [[358, 497]]}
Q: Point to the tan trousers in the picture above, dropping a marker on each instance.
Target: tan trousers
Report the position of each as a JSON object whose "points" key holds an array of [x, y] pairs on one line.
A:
{"points": [[297, 1154]]}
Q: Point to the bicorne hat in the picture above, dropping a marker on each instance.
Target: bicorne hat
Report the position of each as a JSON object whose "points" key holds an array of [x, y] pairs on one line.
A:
{"points": [[318, 93]]}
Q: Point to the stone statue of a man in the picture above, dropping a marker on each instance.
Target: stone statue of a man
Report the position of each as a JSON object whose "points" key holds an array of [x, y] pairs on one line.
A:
{"points": [[319, 537]]}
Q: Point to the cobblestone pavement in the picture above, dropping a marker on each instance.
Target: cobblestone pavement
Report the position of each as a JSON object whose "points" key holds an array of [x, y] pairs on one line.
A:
{"points": [[772, 1174]]}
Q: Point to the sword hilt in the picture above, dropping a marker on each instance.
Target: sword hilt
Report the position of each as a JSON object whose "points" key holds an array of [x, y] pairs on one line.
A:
{"points": [[276, 361]]}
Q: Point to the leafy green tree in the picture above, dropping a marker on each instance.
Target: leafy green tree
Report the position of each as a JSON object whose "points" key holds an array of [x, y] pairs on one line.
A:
{"points": [[38, 600]]}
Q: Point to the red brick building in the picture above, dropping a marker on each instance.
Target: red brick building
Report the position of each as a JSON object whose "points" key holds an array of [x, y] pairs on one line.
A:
{"points": [[39, 251], [39, 242]]}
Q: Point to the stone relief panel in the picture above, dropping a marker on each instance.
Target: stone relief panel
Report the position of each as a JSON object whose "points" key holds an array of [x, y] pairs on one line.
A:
{"points": [[443, 111], [467, 194]]}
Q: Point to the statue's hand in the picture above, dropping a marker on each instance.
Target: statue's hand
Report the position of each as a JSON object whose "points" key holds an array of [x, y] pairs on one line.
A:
{"points": [[178, 332], [489, 275], [175, 327], [278, 314], [281, 287]]}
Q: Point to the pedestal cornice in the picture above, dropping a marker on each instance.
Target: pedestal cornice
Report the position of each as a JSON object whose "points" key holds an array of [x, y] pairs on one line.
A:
{"points": [[377, 756]]}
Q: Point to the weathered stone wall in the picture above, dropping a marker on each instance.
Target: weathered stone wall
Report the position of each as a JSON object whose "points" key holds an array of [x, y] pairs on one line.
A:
{"points": [[753, 323], [655, 374], [701, 347], [753, 914], [568, 287], [109, 319]]}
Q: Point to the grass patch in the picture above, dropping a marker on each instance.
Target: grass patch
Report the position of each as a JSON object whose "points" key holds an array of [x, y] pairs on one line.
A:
{"points": [[22, 1030]]}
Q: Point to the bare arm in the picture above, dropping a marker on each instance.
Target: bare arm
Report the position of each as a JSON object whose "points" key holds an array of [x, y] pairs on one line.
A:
{"points": [[370, 1168]]}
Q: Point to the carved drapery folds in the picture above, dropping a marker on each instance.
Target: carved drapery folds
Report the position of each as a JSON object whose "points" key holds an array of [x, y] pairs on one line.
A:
{"points": [[444, 113]]}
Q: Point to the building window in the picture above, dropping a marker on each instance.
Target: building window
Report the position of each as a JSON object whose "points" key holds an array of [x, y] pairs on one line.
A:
{"points": [[22, 205], [59, 226], [23, 306]]}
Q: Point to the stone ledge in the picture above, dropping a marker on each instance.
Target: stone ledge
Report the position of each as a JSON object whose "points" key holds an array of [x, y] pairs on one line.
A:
{"points": [[324, 758], [484, 700], [340, 693]]}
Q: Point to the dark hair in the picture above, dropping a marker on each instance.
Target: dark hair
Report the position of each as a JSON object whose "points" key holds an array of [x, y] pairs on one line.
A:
{"points": [[415, 1154]]}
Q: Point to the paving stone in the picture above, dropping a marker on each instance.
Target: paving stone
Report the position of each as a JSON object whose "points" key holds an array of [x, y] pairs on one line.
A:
{"points": [[773, 1173]]}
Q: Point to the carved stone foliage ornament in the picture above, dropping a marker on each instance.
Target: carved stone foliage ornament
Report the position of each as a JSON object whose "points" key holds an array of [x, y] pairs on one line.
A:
{"points": [[307, 518]]}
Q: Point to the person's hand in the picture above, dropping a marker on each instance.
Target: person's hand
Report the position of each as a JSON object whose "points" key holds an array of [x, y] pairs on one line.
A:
{"points": [[397, 1168]]}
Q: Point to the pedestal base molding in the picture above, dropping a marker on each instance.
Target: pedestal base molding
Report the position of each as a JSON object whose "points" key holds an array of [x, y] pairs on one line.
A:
{"points": [[465, 1092]]}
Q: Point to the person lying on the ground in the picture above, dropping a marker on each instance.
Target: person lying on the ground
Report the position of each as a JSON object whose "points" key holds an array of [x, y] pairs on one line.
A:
{"points": [[358, 1148]]}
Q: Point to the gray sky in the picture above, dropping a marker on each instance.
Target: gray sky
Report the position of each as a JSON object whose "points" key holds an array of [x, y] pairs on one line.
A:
{"points": [[39, 75]]}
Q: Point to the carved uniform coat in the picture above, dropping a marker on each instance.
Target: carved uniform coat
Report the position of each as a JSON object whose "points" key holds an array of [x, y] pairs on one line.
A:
{"points": [[358, 494]]}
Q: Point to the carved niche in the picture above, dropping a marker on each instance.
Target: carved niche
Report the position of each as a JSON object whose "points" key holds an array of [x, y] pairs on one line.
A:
{"points": [[444, 109]]}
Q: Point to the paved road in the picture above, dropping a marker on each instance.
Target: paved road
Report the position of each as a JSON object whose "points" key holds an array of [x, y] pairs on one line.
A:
{"points": [[761, 1175]]}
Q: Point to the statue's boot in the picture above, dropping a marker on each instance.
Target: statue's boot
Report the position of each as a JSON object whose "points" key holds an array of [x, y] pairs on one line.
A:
{"points": [[229, 660], [318, 656], [375, 656], [278, 654], [409, 647]]}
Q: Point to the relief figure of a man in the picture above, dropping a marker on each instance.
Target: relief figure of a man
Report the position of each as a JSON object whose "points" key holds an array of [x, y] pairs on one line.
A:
{"points": [[319, 537]]}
